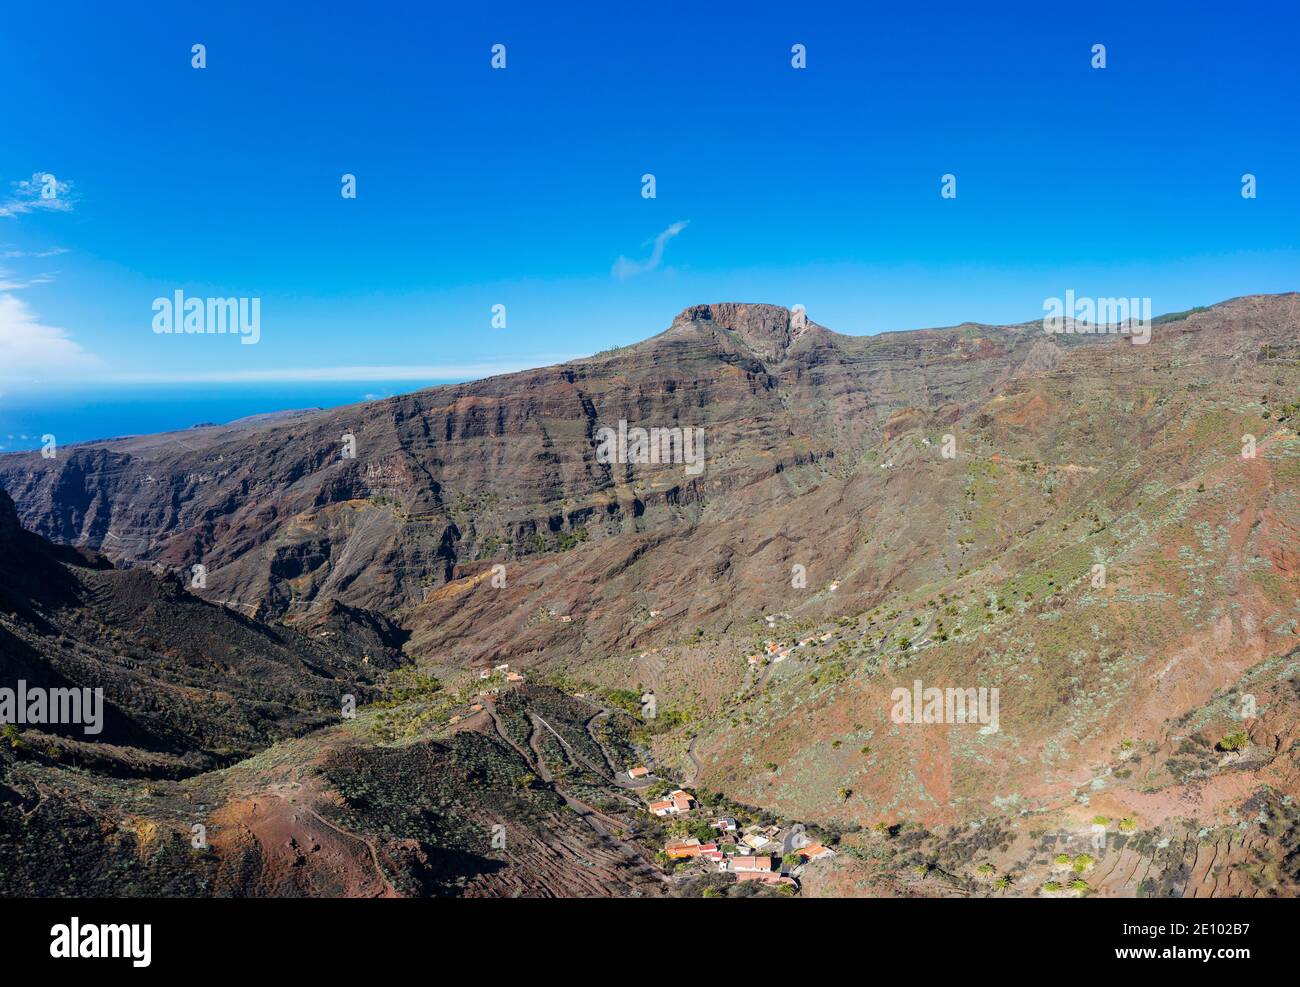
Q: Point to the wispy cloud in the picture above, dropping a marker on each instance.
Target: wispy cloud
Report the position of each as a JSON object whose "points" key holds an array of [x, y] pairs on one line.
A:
{"points": [[28, 348], [9, 282], [41, 192], [625, 268], [9, 252]]}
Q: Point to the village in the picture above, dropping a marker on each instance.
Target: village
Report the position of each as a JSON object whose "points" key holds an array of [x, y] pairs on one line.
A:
{"points": [[698, 841], [717, 843]]}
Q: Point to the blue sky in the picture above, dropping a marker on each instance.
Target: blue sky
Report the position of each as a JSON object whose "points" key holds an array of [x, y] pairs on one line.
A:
{"points": [[522, 186]]}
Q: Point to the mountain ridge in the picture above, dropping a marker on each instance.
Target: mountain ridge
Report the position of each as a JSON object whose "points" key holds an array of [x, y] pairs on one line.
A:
{"points": [[929, 506]]}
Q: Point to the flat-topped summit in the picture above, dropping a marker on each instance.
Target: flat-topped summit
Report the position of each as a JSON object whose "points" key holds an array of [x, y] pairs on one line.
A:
{"points": [[768, 330]]}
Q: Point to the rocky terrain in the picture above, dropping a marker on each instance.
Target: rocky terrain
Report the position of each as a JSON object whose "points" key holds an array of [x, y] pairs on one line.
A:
{"points": [[1106, 533]]}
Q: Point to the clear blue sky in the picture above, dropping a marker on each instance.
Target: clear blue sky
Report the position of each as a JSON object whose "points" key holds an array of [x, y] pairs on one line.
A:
{"points": [[522, 187]]}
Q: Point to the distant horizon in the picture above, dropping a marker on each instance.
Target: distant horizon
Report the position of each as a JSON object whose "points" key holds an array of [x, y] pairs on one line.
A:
{"points": [[427, 376], [174, 406]]}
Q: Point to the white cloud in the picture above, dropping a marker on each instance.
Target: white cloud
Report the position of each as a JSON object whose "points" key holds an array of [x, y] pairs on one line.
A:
{"points": [[8, 282], [42, 192], [624, 268], [28, 348]]}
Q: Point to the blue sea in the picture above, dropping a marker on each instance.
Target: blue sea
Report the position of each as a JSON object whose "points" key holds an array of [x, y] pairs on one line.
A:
{"points": [[111, 412]]}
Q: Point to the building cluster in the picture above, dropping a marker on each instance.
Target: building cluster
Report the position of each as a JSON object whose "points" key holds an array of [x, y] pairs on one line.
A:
{"points": [[502, 669], [775, 651], [754, 853]]}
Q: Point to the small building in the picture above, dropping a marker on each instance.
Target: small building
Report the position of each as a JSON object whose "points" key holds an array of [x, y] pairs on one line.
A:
{"points": [[684, 849], [676, 803], [751, 864], [757, 868], [815, 851], [681, 849], [640, 771]]}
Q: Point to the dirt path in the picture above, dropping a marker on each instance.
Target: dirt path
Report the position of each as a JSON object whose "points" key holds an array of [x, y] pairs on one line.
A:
{"points": [[696, 766], [574, 758], [617, 777], [374, 853], [589, 726], [602, 825]]}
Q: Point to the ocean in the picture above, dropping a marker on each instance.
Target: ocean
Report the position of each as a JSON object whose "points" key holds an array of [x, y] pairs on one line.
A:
{"points": [[111, 412]]}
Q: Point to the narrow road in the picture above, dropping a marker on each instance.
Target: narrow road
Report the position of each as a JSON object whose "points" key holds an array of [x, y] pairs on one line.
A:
{"points": [[619, 778], [696, 766]]}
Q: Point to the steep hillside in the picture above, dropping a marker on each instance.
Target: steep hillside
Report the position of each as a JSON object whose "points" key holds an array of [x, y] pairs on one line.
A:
{"points": [[224, 762], [1105, 533]]}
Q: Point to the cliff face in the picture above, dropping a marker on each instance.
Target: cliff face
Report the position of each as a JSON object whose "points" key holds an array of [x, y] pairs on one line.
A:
{"points": [[806, 434], [497, 469]]}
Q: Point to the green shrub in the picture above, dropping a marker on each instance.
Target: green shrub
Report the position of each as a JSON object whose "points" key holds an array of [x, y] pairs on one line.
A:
{"points": [[1234, 741]]}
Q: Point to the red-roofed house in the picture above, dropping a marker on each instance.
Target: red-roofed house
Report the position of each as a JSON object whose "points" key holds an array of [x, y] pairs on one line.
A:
{"points": [[680, 849], [815, 851], [677, 802]]}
